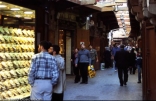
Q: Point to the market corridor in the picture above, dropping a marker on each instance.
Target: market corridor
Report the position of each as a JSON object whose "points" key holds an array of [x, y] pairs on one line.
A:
{"points": [[105, 86]]}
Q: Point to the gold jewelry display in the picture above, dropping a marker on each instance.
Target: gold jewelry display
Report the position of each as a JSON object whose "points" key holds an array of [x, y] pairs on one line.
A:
{"points": [[16, 51]]}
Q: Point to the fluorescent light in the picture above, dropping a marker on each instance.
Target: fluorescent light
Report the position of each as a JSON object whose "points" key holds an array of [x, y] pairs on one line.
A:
{"points": [[17, 15], [28, 12], [3, 6], [15, 9]]}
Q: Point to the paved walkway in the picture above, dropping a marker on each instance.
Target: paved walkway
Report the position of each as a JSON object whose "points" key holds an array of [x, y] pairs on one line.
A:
{"points": [[105, 86]]}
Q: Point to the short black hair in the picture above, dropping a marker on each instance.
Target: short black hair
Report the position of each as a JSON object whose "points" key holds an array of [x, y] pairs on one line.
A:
{"points": [[45, 44], [122, 46], [50, 44], [56, 48], [90, 45]]}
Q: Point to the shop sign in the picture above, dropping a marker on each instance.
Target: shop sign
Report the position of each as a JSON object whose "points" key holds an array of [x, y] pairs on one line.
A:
{"points": [[66, 16]]}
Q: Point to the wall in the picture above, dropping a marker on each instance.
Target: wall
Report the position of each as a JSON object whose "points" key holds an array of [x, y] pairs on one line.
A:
{"points": [[82, 36]]}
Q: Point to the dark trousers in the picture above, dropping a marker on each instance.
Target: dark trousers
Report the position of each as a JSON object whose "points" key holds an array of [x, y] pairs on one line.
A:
{"points": [[132, 69], [107, 63], [92, 62], [76, 73], [84, 71], [57, 97], [122, 71]]}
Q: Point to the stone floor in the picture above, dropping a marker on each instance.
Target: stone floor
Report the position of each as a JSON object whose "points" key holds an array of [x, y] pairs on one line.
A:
{"points": [[105, 86]]}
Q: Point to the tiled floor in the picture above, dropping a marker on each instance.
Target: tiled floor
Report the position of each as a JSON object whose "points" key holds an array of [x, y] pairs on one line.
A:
{"points": [[105, 86]]}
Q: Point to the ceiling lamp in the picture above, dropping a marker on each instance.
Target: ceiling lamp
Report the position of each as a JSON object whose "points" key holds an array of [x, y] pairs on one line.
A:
{"points": [[14, 9], [3, 6], [28, 12]]}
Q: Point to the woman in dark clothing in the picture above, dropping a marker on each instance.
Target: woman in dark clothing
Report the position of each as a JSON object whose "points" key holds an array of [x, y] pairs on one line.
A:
{"points": [[107, 57], [75, 69], [132, 61]]}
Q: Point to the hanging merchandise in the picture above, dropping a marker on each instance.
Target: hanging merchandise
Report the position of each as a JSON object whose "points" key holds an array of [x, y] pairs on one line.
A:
{"points": [[16, 51]]}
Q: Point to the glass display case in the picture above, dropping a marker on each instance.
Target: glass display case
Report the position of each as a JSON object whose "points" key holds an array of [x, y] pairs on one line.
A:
{"points": [[61, 42], [16, 50]]}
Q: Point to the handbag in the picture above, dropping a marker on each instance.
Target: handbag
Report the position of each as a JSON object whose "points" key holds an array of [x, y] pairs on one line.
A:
{"points": [[91, 71]]}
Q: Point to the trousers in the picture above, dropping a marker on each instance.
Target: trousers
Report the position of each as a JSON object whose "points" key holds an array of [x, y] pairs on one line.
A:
{"points": [[123, 74], [76, 73], [84, 71], [139, 73], [41, 90]]}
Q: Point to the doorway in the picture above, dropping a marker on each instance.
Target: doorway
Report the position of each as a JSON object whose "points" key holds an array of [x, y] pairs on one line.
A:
{"points": [[65, 43]]}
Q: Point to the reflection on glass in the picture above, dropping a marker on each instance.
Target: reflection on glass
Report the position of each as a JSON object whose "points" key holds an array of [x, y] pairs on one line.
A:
{"points": [[61, 42]]}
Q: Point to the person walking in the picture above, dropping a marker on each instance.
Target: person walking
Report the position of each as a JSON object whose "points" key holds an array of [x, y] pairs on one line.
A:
{"points": [[93, 55], [76, 69], [122, 63], [84, 60], [43, 73], [114, 50], [139, 65], [132, 61], [107, 57], [58, 89]]}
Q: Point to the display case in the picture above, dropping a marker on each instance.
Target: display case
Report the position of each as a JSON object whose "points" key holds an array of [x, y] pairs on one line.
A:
{"points": [[16, 50], [61, 42]]}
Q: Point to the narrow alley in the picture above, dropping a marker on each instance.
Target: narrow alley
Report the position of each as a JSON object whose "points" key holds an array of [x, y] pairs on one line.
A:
{"points": [[105, 86]]}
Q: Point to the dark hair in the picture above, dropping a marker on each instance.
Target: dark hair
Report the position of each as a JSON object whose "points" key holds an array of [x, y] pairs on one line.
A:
{"points": [[56, 48], [132, 50], [114, 44], [50, 44], [122, 46], [45, 44], [76, 48], [90, 45]]}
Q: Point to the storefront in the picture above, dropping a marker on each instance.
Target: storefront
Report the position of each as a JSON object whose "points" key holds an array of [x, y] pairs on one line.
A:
{"points": [[17, 46], [67, 27]]}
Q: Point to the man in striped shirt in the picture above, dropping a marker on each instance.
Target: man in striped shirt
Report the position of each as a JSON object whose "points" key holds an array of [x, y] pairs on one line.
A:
{"points": [[43, 73]]}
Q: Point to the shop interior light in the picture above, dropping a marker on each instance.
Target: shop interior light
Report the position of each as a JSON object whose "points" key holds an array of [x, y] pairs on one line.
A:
{"points": [[17, 15], [15, 9], [27, 18], [3, 6], [28, 12]]}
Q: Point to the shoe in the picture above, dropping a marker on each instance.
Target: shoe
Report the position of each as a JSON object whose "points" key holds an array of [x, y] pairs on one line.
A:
{"points": [[121, 84], [139, 81], [125, 83]]}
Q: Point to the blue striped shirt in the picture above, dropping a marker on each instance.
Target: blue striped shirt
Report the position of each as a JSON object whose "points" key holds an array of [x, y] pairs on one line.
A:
{"points": [[43, 65]]}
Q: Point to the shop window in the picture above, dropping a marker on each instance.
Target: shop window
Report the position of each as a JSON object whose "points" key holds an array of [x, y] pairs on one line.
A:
{"points": [[61, 42]]}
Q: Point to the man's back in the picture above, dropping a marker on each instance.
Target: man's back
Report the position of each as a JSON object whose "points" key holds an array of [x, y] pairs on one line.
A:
{"points": [[43, 66], [122, 58]]}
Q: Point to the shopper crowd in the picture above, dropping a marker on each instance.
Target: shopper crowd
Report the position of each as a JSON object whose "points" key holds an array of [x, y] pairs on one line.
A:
{"points": [[47, 75], [123, 59]]}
